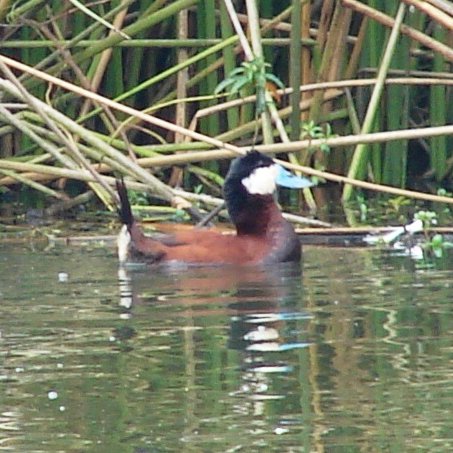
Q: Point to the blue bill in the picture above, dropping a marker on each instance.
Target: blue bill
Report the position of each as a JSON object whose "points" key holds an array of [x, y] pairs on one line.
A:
{"points": [[287, 179]]}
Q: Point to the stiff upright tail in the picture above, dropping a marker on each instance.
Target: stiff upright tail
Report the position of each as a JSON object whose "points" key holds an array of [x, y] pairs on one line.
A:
{"points": [[124, 209], [132, 243]]}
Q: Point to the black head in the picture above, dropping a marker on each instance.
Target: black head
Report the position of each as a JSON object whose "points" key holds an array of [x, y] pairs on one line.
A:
{"points": [[249, 183], [244, 166]]}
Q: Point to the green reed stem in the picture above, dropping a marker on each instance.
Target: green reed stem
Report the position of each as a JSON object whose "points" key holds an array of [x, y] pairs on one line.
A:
{"points": [[360, 157]]}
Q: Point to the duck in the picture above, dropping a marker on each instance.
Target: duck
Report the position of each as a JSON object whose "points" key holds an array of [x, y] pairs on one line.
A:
{"points": [[262, 235]]}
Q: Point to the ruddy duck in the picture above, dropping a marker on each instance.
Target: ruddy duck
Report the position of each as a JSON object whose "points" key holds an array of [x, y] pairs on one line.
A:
{"points": [[262, 236]]}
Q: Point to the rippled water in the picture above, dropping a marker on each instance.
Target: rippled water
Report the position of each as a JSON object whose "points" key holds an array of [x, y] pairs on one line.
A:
{"points": [[353, 352]]}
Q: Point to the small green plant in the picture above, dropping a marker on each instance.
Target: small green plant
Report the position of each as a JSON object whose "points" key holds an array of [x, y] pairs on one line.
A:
{"points": [[363, 207], [311, 131], [428, 218], [180, 215], [138, 198], [438, 245], [444, 193], [252, 74], [394, 206], [198, 189], [433, 245], [446, 211]]}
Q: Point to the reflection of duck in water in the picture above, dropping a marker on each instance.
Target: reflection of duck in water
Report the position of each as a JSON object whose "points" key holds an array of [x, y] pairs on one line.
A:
{"points": [[263, 236], [263, 310], [268, 324], [255, 311]]}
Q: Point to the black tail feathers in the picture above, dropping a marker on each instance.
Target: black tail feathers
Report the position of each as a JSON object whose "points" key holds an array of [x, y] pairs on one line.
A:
{"points": [[124, 209]]}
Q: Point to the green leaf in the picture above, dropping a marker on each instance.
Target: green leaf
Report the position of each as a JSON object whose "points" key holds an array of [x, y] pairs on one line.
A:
{"points": [[223, 85], [274, 79], [239, 84], [235, 72]]}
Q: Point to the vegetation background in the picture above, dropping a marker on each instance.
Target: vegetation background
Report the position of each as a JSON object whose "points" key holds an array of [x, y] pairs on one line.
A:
{"points": [[368, 96]]}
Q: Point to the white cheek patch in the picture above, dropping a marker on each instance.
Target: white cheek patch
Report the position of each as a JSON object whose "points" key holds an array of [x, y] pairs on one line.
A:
{"points": [[261, 181], [123, 241]]}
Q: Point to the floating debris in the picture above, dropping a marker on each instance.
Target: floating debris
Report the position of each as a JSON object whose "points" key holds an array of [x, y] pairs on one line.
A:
{"points": [[391, 236]]}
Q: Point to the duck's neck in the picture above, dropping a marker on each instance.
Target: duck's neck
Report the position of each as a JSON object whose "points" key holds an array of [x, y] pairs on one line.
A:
{"points": [[251, 214]]}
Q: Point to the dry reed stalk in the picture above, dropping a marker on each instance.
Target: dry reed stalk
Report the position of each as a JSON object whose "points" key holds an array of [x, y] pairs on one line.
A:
{"points": [[328, 42], [443, 5], [83, 175], [275, 148], [160, 189], [27, 181], [268, 24], [349, 83], [99, 19], [71, 43], [104, 60], [432, 11], [109, 119], [182, 78], [356, 50], [107, 115], [388, 21], [282, 147], [4, 6], [234, 150], [340, 45], [305, 63], [103, 191], [26, 130]]}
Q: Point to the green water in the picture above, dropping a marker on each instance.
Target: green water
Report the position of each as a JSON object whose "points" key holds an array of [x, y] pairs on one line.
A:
{"points": [[351, 353]]}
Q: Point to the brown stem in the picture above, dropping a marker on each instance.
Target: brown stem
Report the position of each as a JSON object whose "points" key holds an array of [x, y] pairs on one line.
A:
{"points": [[442, 18], [388, 21]]}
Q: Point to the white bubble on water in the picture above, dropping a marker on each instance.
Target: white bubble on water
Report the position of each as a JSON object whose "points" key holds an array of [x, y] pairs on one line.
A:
{"points": [[52, 395], [63, 277]]}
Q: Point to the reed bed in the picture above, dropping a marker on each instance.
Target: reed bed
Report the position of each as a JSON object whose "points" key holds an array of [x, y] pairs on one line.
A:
{"points": [[92, 91]]}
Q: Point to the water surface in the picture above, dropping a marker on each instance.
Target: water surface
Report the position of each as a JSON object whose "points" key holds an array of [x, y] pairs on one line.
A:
{"points": [[352, 352]]}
